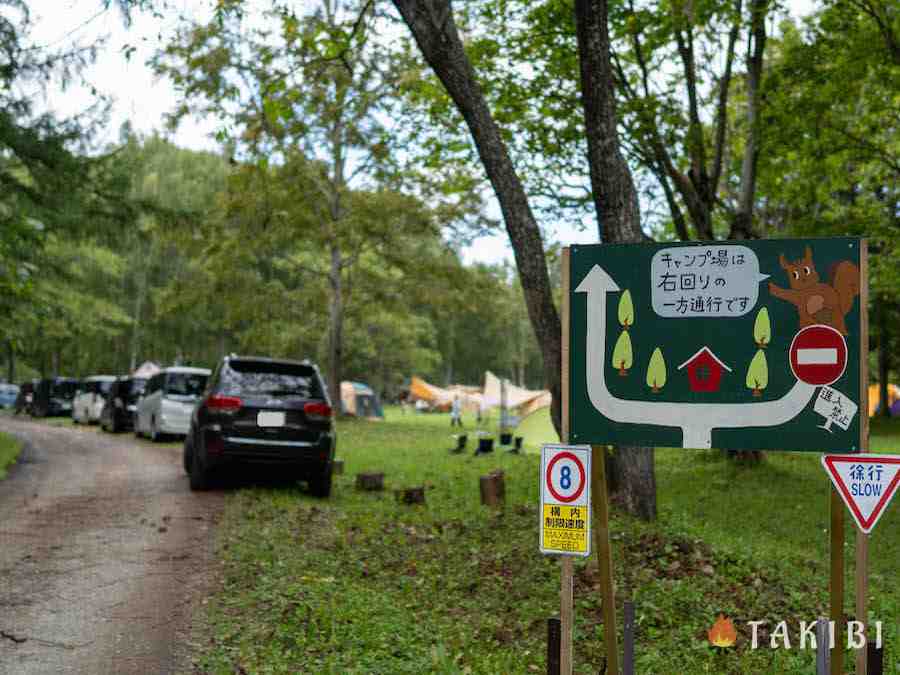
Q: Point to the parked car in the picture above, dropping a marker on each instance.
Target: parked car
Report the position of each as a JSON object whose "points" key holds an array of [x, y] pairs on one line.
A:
{"points": [[90, 397], [168, 401], [53, 396], [26, 397], [261, 411], [121, 404], [8, 395]]}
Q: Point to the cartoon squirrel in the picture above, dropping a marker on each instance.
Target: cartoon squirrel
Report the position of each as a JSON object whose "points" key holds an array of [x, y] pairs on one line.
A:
{"points": [[817, 302]]}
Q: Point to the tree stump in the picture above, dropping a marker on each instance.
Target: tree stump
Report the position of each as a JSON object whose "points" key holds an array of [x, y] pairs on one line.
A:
{"points": [[415, 495], [493, 489], [485, 445], [370, 481], [461, 440], [337, 467]]}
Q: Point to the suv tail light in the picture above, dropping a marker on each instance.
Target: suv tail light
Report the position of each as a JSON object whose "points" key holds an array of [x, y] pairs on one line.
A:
{"points": [[223, 404], [317, 412]]}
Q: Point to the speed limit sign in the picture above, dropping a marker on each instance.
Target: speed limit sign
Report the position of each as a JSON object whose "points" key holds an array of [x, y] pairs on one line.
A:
{"points": [[566, 500]]}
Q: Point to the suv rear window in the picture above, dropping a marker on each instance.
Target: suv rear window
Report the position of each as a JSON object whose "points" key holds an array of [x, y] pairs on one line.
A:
{"points": [[185, 384], [65, 389], [272, 379]]}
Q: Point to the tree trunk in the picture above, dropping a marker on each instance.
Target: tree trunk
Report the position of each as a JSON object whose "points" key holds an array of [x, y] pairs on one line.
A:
{"points": [[632, 477], [136, 326], [10, 362], [884, 365], [742, 226], [336, 328], [434, 29]]}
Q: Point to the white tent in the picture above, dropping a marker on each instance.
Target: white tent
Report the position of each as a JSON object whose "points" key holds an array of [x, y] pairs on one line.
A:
{"points": [[146, 370]]}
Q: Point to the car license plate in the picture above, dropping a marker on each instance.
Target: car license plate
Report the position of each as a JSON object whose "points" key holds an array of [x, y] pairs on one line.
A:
{"points": [[270, 419]]}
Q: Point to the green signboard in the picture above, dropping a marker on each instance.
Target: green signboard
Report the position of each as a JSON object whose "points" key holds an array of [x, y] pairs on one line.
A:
{"points": [[732, 345]]}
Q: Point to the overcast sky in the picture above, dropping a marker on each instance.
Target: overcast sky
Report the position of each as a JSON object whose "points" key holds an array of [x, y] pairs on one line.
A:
{"points": [[144, 99]]}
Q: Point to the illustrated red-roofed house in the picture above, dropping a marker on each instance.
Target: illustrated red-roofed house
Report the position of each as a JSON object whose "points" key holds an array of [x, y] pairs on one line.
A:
{"points": [[704, 370]]}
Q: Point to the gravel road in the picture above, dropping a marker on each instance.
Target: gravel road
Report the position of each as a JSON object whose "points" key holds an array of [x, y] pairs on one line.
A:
{"points": [[104, 554]]}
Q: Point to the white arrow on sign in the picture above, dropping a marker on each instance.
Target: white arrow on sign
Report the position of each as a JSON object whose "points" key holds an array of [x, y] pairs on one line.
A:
{"points": [[696, 420]]}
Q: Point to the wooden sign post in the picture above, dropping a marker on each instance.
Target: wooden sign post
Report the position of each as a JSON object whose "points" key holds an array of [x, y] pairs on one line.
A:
{"points": [[599, 503]]}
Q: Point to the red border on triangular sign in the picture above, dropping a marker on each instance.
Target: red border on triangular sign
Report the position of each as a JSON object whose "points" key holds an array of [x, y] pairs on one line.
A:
{"points": [[866, 525]]}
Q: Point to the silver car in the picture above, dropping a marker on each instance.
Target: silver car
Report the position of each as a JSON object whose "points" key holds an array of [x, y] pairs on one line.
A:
{"points": [[168, 400]]}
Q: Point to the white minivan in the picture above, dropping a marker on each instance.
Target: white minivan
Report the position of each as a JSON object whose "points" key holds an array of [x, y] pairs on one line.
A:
{"points": [[90, 396], [168, 400]]}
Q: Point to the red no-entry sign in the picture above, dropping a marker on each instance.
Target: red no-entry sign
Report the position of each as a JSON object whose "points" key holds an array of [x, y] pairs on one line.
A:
{"points": [[818, 355]]}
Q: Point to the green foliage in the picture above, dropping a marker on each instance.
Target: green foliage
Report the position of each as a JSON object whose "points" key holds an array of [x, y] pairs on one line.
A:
{"points": [[10, 447], [835, 157]]}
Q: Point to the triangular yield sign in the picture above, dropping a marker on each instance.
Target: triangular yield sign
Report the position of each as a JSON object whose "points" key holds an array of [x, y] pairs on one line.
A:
{"points": [[866, 483]]}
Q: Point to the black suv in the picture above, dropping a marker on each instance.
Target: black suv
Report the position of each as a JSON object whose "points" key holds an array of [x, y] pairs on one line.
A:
{"points": [[118, 411], [54, 396], [261, 411]]}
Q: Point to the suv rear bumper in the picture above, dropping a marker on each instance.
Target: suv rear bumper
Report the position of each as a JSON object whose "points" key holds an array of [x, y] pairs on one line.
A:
{"points": [[263, 451]]}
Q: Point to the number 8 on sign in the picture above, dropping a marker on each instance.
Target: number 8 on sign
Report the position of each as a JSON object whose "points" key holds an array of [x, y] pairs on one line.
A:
{"points": [[566, 477]]}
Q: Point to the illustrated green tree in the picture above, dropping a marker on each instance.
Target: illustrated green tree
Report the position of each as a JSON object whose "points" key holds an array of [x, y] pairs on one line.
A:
{"points": [[656, 371], [623, 356], [626, 310], [762, 328], [758, 373], [622, 352]]}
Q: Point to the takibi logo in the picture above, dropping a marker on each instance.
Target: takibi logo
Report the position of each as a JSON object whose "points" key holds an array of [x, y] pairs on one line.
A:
{"points": [[722, 634]]}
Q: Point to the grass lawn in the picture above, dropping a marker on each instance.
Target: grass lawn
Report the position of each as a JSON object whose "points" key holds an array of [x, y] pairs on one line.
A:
{"points": [[10, 448], [362, 584]]}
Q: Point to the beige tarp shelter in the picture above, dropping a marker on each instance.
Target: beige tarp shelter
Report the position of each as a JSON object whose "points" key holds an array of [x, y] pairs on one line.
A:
{"points": [[441, 398], [521, 401]]}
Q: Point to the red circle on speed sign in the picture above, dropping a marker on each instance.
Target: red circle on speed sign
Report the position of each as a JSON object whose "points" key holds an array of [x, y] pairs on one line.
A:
{"points": [[818, 355], [575, 495]]}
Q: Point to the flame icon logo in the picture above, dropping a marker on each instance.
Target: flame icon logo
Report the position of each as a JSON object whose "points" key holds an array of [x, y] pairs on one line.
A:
{"points": [[722, 634]]}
